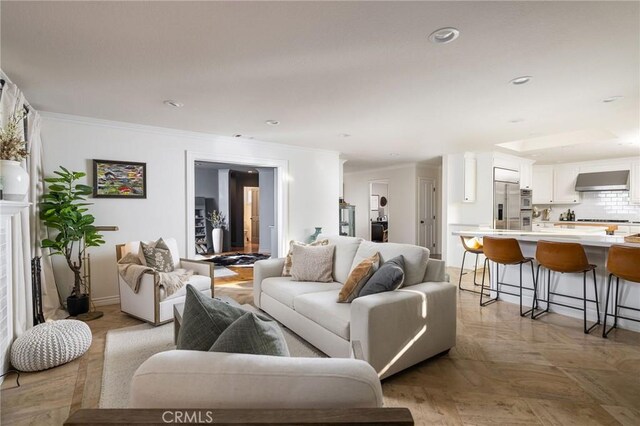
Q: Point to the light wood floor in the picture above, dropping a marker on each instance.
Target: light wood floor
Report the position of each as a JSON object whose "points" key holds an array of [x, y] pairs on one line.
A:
{"points": [[504, 370]]}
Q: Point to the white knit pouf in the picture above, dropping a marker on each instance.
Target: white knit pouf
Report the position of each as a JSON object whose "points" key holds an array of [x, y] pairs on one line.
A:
{"points": [[50, 344]]}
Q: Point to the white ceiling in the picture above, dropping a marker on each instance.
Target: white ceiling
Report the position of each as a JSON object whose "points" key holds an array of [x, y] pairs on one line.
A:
{"points": [[326, 68]]}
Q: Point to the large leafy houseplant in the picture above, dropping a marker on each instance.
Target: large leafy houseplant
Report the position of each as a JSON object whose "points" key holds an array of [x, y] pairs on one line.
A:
{"points": [[64, 209]]}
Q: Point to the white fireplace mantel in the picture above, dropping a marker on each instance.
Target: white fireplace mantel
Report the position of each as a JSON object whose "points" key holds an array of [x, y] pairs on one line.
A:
{"points": [[7, 210]]}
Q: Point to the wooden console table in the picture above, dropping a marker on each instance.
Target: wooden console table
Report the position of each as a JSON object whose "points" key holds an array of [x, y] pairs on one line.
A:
{"points": [[353, 416]]}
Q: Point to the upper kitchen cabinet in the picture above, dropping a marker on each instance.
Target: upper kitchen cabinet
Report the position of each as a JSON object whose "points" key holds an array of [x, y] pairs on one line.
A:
{"points": [[555, 184], [634, 190], [470, 170], [526, 176], [564, 184], [542, 184]]}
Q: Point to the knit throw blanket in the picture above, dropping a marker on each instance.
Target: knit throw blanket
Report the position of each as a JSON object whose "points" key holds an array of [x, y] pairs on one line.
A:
{"points": [[132, 270]]}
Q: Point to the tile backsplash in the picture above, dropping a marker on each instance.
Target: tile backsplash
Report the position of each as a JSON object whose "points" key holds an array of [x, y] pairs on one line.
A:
{"points": [[602, 205]]}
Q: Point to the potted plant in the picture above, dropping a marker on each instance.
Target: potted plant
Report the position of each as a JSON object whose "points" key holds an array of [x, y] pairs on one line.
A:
{"points": [[64, 208], [218, 222], [14, 179]]}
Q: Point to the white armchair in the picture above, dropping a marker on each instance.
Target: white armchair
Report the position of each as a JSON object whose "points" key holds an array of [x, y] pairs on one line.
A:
{"points": [[150, 304]]}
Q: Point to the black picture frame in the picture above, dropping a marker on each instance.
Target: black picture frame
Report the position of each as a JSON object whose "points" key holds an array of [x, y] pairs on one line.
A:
{"points": [[133, 186]]}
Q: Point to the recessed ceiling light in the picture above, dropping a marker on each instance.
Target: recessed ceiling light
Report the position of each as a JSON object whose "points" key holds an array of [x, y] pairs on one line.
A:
{"points": [[173, 103], [272, 122], [237, 135], [612, 99], [444, 35], [516, 120], [521, 80], [345, 135], [394, 154], [251, 171]]}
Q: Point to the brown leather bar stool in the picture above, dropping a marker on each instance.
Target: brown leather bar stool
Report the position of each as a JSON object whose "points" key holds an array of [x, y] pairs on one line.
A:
{"points": [[505, 251], [473, 249], [622, 262], [566, 258]]}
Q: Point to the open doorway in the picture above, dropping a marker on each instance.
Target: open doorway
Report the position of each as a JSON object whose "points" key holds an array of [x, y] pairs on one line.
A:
{"points": [[251, 219], [246, 196], [379, 211]]}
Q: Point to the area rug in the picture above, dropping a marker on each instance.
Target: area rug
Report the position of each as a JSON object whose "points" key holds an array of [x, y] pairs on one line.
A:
{"points": [[238, 259], [127, 348], [221, 272]]}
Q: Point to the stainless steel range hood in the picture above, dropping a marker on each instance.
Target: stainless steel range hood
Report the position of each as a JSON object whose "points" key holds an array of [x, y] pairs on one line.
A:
{"points": [[603, 181]]}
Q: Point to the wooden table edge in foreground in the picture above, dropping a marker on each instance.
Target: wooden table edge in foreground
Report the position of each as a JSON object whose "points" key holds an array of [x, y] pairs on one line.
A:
{"points": [[351, 416]]}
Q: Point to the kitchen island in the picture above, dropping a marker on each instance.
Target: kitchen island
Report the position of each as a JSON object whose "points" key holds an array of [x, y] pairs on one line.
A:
{"points": [[596, 246]]}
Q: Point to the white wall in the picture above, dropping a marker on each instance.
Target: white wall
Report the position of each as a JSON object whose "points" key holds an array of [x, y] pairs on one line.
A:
{"points": [[402, 207], [206, 182], [313, 182]]}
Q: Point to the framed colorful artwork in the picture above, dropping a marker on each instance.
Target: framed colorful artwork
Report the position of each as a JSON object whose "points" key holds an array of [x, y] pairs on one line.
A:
{"points": [[119, 179]]}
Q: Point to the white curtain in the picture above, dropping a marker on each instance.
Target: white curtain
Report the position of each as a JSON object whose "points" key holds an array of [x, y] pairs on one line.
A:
{"points": [[50, 298], [26, 227]]}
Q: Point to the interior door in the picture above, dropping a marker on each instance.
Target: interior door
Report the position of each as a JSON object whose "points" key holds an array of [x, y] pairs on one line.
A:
{"points": [[255, 216], [427, 226]]}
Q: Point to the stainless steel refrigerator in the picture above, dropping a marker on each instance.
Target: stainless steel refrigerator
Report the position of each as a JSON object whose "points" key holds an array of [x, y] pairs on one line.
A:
{"points": [[506, 198]]}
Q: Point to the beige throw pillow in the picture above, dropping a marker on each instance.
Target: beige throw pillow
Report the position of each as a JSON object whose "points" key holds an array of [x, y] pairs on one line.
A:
{"points": [[286, 270], [312, 263], [358, 278]]}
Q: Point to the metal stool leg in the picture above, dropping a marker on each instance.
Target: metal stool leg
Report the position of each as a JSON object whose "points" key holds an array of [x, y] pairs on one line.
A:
{"points": [[595, 289], [464, 255], [488, 268], [548, 288], [584, 301], [606, 309]]}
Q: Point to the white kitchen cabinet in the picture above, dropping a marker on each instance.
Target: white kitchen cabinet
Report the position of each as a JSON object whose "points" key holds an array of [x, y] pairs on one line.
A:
{"points": [[542, 184], [634, 181], [526, 176], [470, 170], [564, 184]]}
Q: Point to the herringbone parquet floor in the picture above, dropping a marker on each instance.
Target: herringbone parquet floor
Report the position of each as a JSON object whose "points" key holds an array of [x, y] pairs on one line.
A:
{"points": [[504, 370]]}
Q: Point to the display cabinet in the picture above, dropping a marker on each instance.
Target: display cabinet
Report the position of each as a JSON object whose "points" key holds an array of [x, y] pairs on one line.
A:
{"points": [[348, 220]]}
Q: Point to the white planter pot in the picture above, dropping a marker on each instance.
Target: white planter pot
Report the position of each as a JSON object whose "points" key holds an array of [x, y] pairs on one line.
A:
{"points": [[216, 237], [15, 180]]}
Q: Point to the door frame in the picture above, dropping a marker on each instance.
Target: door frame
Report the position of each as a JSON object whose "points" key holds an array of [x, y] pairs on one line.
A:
{"points": [[282, 191], [371, 182], [434, 182]]}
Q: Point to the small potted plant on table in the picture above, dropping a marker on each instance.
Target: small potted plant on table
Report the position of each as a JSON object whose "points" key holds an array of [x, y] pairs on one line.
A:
{"points": [[64, 208]]}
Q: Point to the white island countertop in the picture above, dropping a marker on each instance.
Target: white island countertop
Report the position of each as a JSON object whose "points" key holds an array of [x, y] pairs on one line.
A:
{"points": [[584, 238]]}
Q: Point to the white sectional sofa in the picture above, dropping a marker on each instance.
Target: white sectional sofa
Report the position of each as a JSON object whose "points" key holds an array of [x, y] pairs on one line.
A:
{"points": [[396, 329]]}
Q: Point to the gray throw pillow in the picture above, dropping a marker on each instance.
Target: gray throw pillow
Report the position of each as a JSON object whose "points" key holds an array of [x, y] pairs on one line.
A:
{"points": [[388, 277], [312, 263], [251, 334], [204, 320], [157, 255]]}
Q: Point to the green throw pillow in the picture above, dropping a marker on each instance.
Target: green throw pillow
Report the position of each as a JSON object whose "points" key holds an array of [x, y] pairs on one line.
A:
{"points": [[204, 320], [251, 334], [158, 256]]}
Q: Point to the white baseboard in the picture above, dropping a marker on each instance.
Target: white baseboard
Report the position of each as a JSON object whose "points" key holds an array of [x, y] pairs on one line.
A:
{"points": [[109, 300]]}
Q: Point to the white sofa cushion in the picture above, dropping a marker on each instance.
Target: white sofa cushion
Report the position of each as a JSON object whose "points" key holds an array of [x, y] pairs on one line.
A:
{"points": [[285, 289], [193, 379], [323, 309], [346, 248], [200, 282], [415, 258]]}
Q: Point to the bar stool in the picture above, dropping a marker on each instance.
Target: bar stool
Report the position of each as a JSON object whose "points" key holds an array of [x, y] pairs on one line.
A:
{"points": [[473, 249], [505, 251], [565, 258], [622, 262]]}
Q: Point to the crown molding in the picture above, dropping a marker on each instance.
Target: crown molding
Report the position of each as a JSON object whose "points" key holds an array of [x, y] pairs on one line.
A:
{"points": [[167, 131]]}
